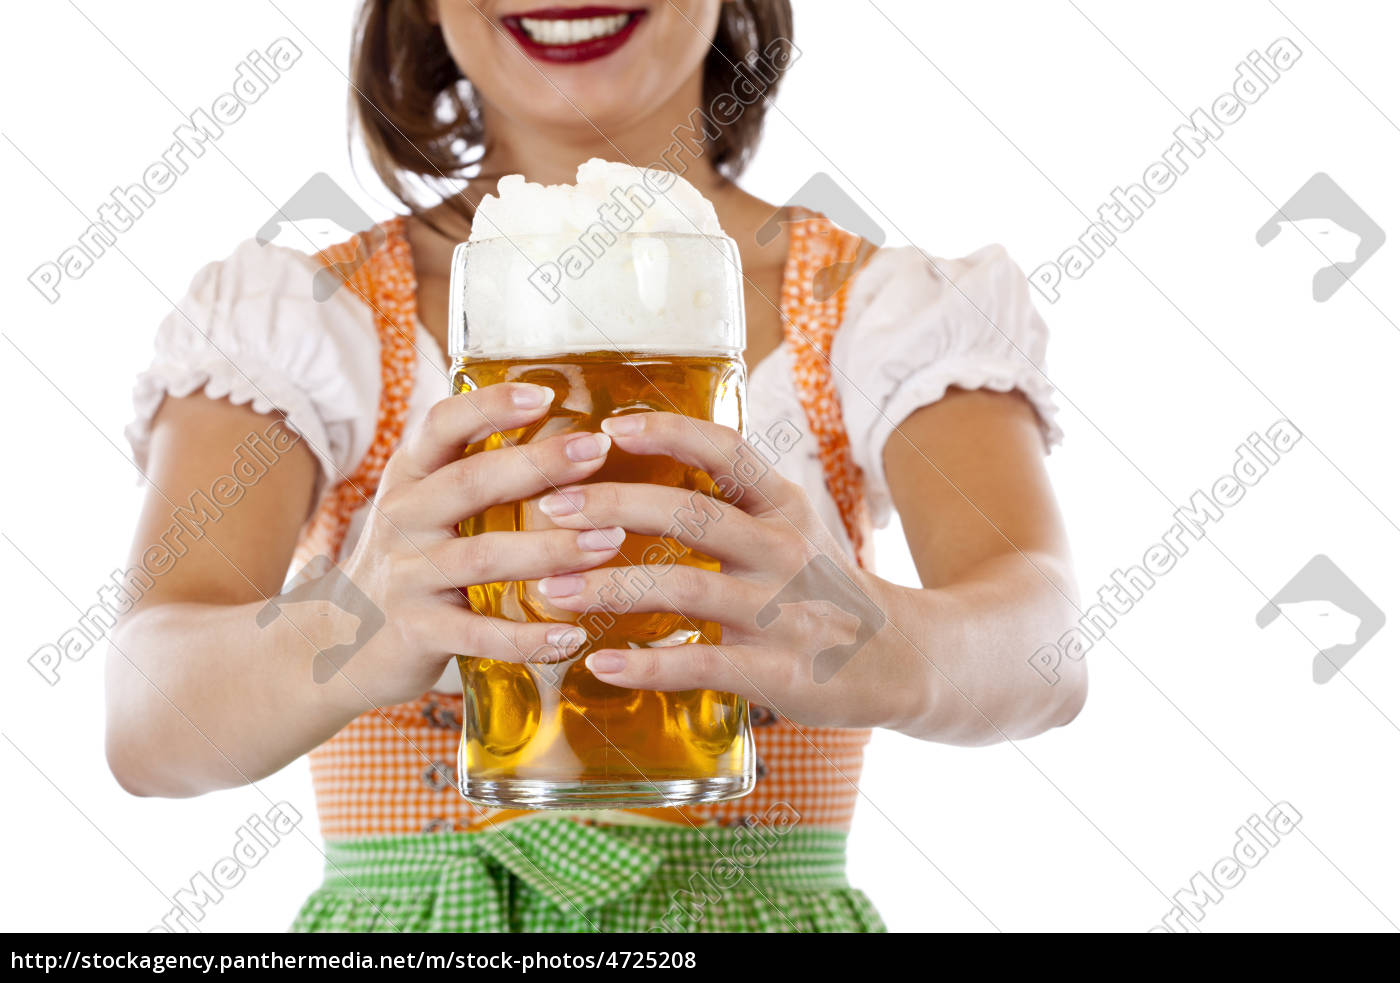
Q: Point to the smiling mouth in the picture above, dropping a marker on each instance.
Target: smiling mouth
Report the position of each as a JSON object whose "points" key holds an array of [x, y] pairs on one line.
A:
{"points": [[577, 34]]}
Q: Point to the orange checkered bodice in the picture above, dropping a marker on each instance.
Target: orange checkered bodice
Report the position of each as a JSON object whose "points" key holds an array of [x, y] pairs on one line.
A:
{"points": [[393, 770]]}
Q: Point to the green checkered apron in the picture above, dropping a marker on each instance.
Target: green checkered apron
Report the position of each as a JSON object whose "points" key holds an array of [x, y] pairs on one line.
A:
{"points": [[561, 875]]}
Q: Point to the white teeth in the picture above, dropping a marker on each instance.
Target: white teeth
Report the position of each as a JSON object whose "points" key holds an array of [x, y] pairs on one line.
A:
{"points": [[572, 31]]}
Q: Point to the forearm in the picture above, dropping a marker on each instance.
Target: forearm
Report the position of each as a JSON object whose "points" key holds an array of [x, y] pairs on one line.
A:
{"points": [[960, 654], [201, 698]]}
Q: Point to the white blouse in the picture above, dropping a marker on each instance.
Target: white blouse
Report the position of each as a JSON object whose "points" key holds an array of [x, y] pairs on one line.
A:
{"points": [[250, 330]]}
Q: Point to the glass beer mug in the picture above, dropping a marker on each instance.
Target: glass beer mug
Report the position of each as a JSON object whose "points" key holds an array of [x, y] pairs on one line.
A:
{"points": [[653, 322]]}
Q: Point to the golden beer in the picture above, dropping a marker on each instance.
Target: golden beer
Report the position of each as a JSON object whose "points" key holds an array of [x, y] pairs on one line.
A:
{"points": [[547, 733]]}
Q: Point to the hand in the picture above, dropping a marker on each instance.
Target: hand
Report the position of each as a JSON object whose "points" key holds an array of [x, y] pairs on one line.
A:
{"points": [[411, 563], [799, 618]]}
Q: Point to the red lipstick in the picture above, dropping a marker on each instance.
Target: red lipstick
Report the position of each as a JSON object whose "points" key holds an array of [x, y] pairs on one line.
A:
{"points": [[554, 34]]}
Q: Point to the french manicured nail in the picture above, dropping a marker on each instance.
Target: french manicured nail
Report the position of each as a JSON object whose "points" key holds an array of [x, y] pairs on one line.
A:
{"points": [[601, 539], [566, 586], [587, 447], [605, 662], [561, 502], [527, 395], [566, 639], [624, 426]]}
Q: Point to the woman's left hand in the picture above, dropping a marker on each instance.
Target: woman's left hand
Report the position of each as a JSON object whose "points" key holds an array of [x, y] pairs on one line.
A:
{"points": [[805, 630]]}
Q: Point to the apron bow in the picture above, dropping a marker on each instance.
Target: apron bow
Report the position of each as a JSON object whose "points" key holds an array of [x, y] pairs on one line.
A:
{"points": [[577, 868]]}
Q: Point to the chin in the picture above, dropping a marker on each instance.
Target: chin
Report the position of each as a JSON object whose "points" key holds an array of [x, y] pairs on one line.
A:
{"points": [[569, 67], [585, 108]]}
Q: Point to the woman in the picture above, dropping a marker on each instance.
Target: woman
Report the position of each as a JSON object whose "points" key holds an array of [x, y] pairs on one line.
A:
{"points": [[914, 383]]}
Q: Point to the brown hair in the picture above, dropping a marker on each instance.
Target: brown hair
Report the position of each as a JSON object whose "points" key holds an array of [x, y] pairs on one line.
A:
{"points": [[420, 119]]}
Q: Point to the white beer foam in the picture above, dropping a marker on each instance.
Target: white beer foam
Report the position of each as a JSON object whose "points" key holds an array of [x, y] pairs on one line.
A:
{"points": [[628, 259], [521, 208]]}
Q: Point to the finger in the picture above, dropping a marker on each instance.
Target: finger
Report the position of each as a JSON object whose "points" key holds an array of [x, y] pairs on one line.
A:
{"points": [[467, 486], [496, 557], [737, 669], [466, 418], [459, 631], [744, 474], [691, 518], [702, 595]]}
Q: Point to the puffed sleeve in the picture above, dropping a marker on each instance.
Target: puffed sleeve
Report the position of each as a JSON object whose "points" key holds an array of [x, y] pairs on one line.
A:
{"points": [[250, 330], [916, 325]]}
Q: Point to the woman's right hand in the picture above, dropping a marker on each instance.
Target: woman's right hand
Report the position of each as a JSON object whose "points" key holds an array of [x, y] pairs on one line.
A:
{"points": [[411, 562]]}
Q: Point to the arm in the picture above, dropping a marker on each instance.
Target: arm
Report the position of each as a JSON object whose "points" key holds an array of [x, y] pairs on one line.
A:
{"points": [[191, 682], [200, 697], [949, 662], [968, 479]]}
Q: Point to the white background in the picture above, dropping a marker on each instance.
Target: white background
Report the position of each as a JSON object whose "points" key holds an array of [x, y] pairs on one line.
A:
{"points": [[992, 121]]}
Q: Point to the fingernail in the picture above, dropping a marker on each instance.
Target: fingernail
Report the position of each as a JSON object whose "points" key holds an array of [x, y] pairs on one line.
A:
{"points": [[566, 639], [561, 502], [623, 426], [527, 395], [605, 662], [601, 539], [587, 447], [566, 586]]}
